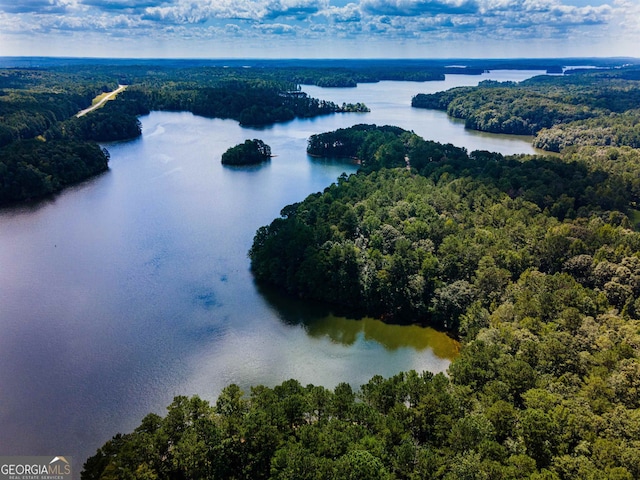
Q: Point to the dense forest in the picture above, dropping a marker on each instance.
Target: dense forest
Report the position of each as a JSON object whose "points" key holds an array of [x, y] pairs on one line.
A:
{"points": [[34, 168], [584, 108], [533, 262], [614, 129], [33, 103], [250, 102], [423, 242], [250, 152]]}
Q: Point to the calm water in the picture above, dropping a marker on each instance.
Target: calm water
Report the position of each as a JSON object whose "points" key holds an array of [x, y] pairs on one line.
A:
{"points": [[134, 287]]}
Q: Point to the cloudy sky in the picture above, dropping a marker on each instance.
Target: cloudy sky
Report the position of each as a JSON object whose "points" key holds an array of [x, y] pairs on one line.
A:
{"points": [[320, 28]]}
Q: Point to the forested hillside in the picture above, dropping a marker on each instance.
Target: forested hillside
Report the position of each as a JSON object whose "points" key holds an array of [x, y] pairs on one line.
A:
{"points": [[34, 103], [533, 262], [587, 108]]}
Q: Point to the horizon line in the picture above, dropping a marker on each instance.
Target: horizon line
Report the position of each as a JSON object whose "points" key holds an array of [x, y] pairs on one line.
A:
{"points": [[69, 57]]}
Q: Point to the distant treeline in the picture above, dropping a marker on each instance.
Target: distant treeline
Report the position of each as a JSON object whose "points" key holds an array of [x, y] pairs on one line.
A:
{"points": [[42, 104], [250, 102], [586, 108], [598, 108], [350, 77]]}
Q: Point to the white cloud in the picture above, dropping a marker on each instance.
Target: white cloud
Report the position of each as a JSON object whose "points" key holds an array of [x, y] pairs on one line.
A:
{"points": [[276, 29], [349, 13], [299, 9], [188, 11], [183, 12], [232, 29], [392, 22], [131, 6], [627, 13]]}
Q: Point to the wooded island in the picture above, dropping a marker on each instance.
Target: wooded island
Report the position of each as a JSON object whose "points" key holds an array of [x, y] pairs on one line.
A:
{"points": [[251, 152]]}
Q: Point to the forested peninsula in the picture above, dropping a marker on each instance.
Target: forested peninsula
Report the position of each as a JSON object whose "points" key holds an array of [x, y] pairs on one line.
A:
{"points": [[585, 108], [426, 230]]}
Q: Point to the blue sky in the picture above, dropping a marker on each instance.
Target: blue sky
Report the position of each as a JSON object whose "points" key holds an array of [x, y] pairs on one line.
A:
{"points": [[320, 28]]}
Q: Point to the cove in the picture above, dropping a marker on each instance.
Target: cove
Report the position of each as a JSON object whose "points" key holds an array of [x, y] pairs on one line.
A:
{"points": [[134, 287]]}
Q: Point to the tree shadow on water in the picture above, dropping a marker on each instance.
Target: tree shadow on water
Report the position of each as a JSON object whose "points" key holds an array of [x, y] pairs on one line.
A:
{"points": [[320, 320]]}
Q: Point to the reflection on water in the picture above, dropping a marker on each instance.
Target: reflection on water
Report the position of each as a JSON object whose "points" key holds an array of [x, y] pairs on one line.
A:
{"points": [[346, 331], [319, 321]]}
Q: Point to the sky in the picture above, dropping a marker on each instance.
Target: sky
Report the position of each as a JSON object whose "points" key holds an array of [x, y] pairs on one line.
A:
{"points": [[320, 28]]}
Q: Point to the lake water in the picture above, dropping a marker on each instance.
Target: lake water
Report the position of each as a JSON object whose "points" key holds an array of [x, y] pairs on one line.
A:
{"points": [[134, 287]]}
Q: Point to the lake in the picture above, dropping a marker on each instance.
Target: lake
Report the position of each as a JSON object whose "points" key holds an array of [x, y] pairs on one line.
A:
{"points": [[133, 287]]}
